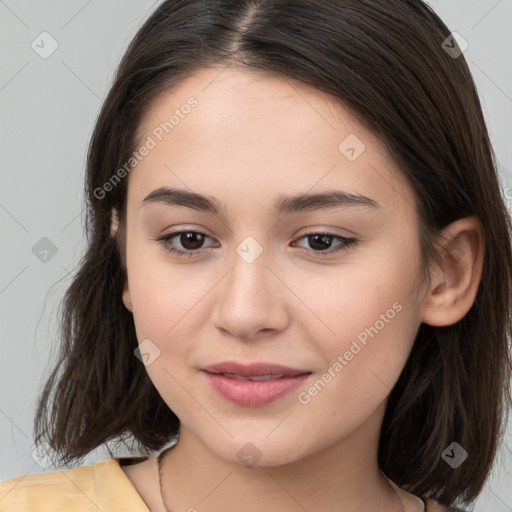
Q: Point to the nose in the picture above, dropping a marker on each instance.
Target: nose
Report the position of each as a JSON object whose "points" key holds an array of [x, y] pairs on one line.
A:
{"points": [[251, 299]]}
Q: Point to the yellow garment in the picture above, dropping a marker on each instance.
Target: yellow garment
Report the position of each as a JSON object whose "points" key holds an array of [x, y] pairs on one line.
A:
{"points": [[102, 487]]}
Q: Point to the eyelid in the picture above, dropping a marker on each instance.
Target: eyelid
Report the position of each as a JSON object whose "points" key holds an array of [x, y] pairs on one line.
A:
{"points": [[308, 230], [346, 242], [328, 231]]}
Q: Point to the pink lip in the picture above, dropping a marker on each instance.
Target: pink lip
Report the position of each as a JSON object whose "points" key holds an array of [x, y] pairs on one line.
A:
{"points": [[253, 393]]}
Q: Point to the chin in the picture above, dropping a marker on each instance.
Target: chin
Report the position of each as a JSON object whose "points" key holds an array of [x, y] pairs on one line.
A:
{"points": [[252, 451]]}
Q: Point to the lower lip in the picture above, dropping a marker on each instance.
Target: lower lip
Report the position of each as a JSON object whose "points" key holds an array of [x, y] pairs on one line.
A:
{"points": [[254, 393]]}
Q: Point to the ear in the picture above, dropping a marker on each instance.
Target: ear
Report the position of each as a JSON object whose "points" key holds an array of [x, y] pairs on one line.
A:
{"points": [[454, 286], [114, 227], [114, 223]]}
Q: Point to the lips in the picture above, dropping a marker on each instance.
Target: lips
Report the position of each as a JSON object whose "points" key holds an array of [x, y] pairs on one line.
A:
{"points": [[254, 384], [253, 371]]}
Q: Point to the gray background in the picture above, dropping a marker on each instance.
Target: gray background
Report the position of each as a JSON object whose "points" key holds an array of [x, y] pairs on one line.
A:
{"points": [[48, 110]]}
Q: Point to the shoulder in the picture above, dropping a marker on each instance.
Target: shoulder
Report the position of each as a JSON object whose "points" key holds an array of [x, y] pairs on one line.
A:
{"points": [[43, 491], [102, 486]]}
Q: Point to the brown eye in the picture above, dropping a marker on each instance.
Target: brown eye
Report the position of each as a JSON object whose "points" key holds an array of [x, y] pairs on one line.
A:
{"points": [[190, 241], [321, 242]]}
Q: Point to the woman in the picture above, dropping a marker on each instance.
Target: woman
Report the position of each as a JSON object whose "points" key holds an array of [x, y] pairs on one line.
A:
{"points": [[299, 266]]}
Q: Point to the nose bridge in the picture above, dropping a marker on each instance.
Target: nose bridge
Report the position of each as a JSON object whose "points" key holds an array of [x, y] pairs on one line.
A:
{"points": [[249, 295], [249, 277]]}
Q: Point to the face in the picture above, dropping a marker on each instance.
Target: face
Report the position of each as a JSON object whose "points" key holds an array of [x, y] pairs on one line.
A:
{"points": [[331, 288]]}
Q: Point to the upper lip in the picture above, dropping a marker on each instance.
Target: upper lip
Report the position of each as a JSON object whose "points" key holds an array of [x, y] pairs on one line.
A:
{"points": [[253, 369]]}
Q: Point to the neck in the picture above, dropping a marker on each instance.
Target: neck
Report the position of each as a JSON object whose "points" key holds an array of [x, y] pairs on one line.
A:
{"points": [[342, 476]]}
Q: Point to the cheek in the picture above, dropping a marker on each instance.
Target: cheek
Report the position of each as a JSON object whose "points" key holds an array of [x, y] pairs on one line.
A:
{"points": [[166, 306], [162, 292], [374, 329], [368, 316]]}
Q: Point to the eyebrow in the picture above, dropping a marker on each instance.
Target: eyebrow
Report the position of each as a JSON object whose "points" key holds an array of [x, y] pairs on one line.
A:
{"points": [[326, 200]]}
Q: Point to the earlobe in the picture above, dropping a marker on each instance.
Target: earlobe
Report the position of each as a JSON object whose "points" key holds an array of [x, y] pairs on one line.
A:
{"points": [[127, 301], [455, 285]]}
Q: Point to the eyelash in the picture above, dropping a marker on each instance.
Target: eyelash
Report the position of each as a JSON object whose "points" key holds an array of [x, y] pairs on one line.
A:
{"points": [[347, 243]]}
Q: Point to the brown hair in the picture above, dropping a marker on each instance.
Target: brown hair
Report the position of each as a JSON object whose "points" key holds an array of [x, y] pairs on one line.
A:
{"points": [[386, 63]]}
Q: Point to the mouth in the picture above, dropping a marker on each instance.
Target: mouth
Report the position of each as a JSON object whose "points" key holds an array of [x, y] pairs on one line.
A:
{"points": [[253, 385], [256, 378], [258, 371]]}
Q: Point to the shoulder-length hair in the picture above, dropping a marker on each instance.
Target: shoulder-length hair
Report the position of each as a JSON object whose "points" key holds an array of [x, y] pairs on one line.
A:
{"points": [[388, 62]]}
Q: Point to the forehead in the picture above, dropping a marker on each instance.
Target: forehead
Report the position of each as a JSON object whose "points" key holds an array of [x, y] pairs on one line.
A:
{"points": [[248, 129], [225, 93]]}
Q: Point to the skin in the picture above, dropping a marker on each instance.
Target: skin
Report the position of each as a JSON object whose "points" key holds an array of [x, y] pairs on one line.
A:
{"points": [[251, 138]]}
